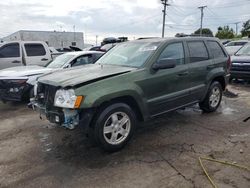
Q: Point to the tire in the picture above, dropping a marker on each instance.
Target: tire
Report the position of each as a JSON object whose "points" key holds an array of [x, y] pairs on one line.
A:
{"points": [[117, 133], [213, 98]]}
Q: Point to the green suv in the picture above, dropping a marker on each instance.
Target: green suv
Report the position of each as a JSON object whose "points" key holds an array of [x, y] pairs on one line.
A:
{"points": [[135, 81]]}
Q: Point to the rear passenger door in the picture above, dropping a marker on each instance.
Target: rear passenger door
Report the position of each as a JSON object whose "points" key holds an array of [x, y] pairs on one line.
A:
{"points": [[36, 54], [199, 65]]}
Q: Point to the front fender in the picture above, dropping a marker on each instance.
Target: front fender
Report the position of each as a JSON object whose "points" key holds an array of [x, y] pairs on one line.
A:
{"points": [[99, 95]]}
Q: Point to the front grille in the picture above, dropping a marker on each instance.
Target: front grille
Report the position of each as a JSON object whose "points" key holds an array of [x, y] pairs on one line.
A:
{"points": [[46, 94], [240, 66]]}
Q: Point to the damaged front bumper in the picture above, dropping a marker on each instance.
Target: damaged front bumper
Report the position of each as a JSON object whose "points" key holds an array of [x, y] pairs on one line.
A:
{"points": [[11, 90], [68, 118]]}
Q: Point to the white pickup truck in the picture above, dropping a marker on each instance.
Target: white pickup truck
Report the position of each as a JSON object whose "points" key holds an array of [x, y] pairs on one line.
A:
{"points": [[20, 53]]}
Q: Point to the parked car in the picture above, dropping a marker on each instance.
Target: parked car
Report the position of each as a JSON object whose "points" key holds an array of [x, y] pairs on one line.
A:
{"points": [[107, 47], [233, 46], [241, 64], [20, 53], [16, 83], [135, 81], [225, 41]]}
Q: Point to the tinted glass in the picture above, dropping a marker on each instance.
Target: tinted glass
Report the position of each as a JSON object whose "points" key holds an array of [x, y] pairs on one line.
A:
{"points": [[10, 50], [198, 51], [174, 51], [97, 56], [34, 49], [83, 60], [216, 50]]}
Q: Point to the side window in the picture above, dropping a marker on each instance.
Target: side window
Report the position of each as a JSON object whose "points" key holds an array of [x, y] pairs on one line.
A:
{"points": [[216, 49], [83, 60], [10, 50], [97, 56], [198, 51], [34, 49], [174, 51]]}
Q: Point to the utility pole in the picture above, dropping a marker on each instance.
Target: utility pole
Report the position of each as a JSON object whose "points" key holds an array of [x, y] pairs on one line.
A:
{"points": [[202, 15], [236, 27], [96, 38], [165, 4], [74, 29]]}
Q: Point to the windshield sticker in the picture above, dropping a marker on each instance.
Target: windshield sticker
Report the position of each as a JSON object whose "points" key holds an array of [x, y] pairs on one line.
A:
{"points": [[148, 48]]}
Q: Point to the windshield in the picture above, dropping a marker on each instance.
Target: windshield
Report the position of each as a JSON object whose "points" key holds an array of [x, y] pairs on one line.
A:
{"points": [[245, 50], [60, 61], [132, 54]]}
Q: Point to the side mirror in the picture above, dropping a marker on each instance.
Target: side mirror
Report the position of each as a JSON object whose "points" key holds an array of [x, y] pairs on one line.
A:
{"points": [[67, 66], [164, 64]]}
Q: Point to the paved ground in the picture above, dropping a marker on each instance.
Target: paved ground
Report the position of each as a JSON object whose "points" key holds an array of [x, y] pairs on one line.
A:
{"points": [[163, 153]]}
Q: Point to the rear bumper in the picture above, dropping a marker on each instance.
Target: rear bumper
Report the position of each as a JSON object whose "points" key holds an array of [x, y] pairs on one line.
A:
{"points": [[240, 74]]}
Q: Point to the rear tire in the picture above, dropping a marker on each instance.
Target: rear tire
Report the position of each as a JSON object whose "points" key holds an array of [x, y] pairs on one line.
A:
{"points": [[114, 126], [213, 98]]}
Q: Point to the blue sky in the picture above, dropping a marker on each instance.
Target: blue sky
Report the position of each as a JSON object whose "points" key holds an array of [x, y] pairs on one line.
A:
{"points": [[132, 18]]}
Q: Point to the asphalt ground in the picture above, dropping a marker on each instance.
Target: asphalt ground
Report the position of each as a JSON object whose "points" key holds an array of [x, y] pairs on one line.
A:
{"points": [[163, 152]]}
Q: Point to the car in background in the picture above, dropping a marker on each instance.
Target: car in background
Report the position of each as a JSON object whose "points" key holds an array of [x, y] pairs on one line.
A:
{"points": [[107, 47], [233, 46], [241, 64], [16, 83], [225, 41], [21, 53]]}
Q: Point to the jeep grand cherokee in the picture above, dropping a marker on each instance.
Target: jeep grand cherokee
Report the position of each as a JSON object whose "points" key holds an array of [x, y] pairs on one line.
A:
{"points": [[135, 81]]}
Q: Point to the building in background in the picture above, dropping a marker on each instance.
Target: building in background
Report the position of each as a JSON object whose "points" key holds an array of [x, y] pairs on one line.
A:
{"points": [[52, 38]]}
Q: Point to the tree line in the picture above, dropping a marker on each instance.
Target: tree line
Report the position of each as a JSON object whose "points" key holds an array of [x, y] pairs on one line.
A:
{"points": [[225, 32]]}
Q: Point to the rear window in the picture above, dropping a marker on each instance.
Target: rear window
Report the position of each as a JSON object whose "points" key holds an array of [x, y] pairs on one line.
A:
{"points": [[34, 50], [10, 50], [216, 50], [198, 51]]}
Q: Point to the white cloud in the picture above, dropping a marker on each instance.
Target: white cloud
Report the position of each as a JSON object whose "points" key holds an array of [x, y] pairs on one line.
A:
{"points": [[117, 17]]}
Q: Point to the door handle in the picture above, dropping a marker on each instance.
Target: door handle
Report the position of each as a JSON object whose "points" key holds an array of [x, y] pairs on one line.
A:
{"points": [[15, 61], [183, 73], [44, 59]]}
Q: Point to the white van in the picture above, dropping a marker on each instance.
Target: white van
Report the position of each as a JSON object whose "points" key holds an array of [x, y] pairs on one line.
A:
{"points": [[20, 53]]}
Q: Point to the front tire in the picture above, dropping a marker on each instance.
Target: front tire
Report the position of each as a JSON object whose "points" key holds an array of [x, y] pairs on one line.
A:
{"points": [[114, 126], [213, 98]]}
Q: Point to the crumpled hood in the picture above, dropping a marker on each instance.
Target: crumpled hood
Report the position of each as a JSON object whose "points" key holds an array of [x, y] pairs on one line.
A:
{"points": [[240, 59], [80, 75], [23, 71]]}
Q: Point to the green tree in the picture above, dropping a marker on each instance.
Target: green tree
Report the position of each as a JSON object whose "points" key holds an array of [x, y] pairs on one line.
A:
{"points": [[246, 28], [225, 32], [205, 31]]}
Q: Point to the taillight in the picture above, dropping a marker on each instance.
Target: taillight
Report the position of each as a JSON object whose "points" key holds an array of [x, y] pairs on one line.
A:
{"points": [[229, 63]]}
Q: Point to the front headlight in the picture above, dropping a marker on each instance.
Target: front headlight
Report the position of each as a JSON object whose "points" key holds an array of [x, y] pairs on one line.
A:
{"points": [[67, 99]]}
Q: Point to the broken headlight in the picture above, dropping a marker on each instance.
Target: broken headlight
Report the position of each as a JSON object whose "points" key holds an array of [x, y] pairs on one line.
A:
{"points": [[67, 99]]}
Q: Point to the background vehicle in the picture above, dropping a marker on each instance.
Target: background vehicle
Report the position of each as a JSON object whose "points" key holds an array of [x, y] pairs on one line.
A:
{"points": [[241, 64], [135, 81], [233, 46], [16, 83], [22, 53]]}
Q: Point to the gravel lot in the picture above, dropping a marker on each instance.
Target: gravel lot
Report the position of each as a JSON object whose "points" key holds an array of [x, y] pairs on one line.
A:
{"points": [[163, 153]]}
